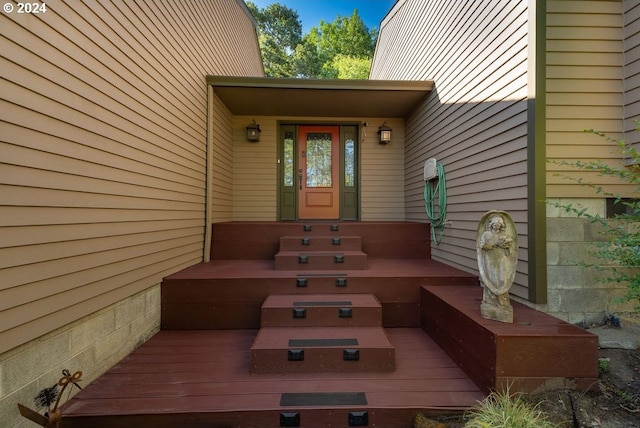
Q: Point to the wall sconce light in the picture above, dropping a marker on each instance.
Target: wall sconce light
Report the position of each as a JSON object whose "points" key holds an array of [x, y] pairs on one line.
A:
{"points": [[253, 132], [385, 133]]}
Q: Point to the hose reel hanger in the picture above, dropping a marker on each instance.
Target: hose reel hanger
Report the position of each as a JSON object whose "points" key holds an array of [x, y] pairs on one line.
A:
{"points": [[435, 198]]}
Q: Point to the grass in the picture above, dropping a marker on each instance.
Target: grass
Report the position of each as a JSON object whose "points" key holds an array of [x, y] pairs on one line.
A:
{"points": [[506, 410]]}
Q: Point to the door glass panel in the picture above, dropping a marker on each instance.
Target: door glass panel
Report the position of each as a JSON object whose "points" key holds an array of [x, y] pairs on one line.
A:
{"points": [[318, 158], [287, 161], [349, 163]]}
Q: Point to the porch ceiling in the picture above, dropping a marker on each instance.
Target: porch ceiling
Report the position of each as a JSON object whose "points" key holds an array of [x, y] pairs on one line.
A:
{"points": [[260, 96]]}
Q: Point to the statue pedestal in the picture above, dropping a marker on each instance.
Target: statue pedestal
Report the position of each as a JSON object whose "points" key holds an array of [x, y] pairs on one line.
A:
{"points": [[502, 313]]}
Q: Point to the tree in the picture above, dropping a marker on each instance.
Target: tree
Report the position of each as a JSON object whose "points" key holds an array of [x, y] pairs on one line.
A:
{"points": [[307, 59], [279, 33], [351, 67], [620, 251], [341, 49]]}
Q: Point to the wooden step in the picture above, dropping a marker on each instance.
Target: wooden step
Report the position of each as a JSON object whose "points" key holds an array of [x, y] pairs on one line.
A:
{"points": [[322, 349], [320, 228], [328, 310], [320, 260], [260, 240], [320, 243]]}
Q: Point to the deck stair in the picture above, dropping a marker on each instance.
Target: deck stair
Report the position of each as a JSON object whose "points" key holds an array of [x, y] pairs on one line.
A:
{"points": [[315, 333], [326, 332], [321, 333], [321, 247], [321, 310], [322, 350]]}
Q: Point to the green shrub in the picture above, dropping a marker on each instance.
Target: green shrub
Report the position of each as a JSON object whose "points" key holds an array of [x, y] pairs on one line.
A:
{"points": [[506, 410]]}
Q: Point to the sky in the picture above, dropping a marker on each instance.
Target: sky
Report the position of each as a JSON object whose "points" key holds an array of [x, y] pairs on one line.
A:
{"points": [[312, 11]]}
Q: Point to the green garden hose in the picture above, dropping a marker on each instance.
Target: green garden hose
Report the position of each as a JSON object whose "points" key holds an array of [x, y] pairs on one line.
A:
{"points": [[432, 189]]}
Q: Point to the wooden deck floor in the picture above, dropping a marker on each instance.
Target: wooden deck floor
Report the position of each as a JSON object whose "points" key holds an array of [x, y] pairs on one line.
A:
{"points": [[252, 268], [202, 378]]}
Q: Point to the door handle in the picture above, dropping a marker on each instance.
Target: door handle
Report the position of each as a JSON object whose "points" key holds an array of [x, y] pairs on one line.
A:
{"points": [[300, 178]]}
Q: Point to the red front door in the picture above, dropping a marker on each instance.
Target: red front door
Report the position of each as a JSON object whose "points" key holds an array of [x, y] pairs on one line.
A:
{"points": [[318, 173]]}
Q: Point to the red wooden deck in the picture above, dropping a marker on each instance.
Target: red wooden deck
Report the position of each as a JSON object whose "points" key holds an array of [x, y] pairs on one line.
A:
{"points": [[202, 378], [197, 372]]}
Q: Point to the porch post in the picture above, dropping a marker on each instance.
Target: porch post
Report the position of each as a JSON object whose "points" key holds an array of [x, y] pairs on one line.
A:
{"points": [[536, 153]]}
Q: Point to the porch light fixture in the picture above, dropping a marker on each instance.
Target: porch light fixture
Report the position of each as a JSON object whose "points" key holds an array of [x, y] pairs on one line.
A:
{"points": [[385, 133], [253, 132]]}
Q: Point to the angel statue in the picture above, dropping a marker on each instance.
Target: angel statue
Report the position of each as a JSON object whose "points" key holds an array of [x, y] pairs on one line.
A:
{"points": [[497, 251]]}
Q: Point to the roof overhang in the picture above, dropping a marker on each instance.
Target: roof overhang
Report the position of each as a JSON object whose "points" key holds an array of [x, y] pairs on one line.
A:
{"points": [[264, 96]]}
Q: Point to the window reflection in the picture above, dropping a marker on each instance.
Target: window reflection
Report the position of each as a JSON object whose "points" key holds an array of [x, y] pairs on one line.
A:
{"points": [[287, 162], [319, 160], [349, 163]]}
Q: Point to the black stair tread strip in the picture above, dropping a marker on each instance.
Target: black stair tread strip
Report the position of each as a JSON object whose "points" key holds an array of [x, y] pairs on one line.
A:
{"points": [[326, 303], [306, 252], [316, 236], [320, 236], [322, 342], [323, 399], [328, 275]]}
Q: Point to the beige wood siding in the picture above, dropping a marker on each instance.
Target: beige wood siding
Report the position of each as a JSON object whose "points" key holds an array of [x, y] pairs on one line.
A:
{"points": [[254, 171], [221, 162], [103, 150], [631, 32], [584, 88], [474, 122], [382, 172]]}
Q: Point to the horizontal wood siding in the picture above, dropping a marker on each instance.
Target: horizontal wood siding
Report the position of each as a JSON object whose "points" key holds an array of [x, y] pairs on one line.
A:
{"points": [[382, 172], [474, 122], [103, 150], [254, 171], [631, 32], [584, 88], [221, 162]]}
